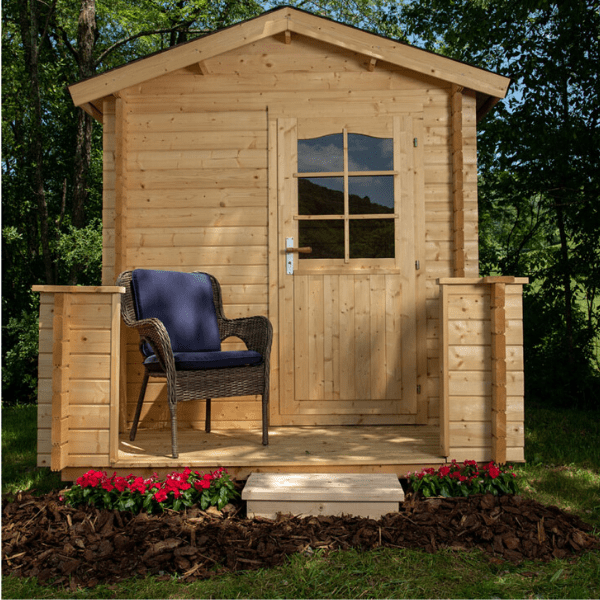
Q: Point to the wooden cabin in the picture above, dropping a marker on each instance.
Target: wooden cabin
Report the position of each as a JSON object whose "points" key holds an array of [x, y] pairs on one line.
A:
{"points": [[390, 351]]}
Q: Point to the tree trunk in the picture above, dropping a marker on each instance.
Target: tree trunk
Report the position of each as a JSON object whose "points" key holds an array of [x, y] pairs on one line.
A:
{"points": [[86, 39], [29, 25]]}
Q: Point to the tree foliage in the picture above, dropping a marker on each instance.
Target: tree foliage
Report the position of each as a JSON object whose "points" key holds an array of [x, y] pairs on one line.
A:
{"points": [[52, 152], [539, 170]]}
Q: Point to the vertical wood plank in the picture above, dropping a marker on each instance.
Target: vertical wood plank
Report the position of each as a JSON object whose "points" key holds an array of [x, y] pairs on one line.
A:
{"points": [[275, 257], [121, 184], [115, 375], [108, 192], [301, 320], [378, 334], [498, 326], [286, 201], [393, 343], [331, 341], [121, 225], [347, 340], [315, 338], [444, 374], [469, 183], [420, 274], [362, 341], [403, 163], [60, 382], [458, 236]]}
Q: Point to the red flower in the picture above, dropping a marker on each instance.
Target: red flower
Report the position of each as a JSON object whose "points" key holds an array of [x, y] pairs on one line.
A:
{"points": [[107, 485], [91, 479], [444, 470], [138, 485], [494, 471], [120, 484], [202, 484], [160, 496]]}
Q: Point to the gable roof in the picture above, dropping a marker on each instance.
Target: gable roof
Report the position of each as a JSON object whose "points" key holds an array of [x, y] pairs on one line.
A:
{"points": [[490, 87]]}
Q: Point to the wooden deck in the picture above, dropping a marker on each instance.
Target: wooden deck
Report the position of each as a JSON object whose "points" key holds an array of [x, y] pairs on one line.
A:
{"points": [[384, 449]]}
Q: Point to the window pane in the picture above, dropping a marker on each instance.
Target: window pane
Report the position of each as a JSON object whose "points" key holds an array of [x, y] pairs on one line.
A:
{"points": [[371, 195], [326, 238], [372, 238], [321, 155], [321, 196], [367, 153]]}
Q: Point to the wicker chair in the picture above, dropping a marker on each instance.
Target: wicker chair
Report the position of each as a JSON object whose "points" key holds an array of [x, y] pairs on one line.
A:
{"points": [[184, 347]]}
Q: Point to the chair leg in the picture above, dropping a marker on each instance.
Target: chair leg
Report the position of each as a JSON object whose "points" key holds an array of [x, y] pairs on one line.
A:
{"points": [[173, 411], [265, 418], [138, 410], [207, 420]]}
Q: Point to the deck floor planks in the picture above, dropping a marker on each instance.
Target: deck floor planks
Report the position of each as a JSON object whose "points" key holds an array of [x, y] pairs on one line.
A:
{"points": [[292, 448]]}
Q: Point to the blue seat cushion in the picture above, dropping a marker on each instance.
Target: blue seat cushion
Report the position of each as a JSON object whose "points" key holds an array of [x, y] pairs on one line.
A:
{"points": [[183, 302], [193, 361]]}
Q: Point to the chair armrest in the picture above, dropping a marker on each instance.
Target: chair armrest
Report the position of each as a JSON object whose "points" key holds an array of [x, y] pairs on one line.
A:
{"points": [[154, 332], [256, 332]]}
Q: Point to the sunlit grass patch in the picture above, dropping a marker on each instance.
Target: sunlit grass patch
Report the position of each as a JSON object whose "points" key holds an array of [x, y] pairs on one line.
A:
{"points": [[383, 573]]}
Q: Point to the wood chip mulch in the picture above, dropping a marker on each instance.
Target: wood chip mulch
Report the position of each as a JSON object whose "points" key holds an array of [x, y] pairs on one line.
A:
{"points": [[43, 538]]}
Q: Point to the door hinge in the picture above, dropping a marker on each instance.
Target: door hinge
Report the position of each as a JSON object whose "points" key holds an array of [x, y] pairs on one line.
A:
{"points": [[417, 265], [418, 389], [415, 142]]}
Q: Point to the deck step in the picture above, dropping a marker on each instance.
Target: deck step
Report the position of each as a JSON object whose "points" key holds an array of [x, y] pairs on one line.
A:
{"points": [[362, 495]]}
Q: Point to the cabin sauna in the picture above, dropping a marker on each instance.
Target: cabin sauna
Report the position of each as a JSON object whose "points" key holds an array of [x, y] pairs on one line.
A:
{"points": [[228, 153]]}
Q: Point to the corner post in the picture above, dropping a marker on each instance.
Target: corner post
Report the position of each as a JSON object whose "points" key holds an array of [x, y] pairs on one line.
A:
{"points": [[498, 327], [60, 383]]}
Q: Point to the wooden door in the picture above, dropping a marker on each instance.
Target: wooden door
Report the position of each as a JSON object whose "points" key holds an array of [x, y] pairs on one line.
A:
{"points": [[350, 330]]}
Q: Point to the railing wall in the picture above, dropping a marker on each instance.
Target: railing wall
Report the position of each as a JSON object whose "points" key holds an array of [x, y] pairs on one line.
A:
{"points": [[78, 375], [481, 369]]}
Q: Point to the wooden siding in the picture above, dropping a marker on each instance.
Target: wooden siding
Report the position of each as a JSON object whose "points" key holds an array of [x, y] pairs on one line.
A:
{"points": [[482, 388], [196, 181], [78, 383], [286, 25]]}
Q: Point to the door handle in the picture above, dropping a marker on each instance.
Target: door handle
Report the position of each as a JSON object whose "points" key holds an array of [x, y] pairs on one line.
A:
{"points": [[290, 250], [305, 250]]}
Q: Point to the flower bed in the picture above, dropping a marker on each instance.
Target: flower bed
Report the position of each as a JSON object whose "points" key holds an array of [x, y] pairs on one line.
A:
{"points": [[136, 494], [456, 480]]}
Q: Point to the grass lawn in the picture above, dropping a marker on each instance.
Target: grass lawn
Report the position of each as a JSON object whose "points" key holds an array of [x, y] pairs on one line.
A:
{"points": [[563, 468]]}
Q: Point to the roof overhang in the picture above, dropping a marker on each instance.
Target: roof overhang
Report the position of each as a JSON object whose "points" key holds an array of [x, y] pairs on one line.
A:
{"points": [[489, 87]]}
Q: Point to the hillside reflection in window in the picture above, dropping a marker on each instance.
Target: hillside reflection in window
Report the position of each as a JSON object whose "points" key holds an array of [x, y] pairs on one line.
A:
{"points": [[372, 238], [371, 195], [321, 196], [363, 162], [326, 238]]}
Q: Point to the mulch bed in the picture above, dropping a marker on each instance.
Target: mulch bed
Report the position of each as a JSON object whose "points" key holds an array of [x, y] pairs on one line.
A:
{"points": [[85, 546]]}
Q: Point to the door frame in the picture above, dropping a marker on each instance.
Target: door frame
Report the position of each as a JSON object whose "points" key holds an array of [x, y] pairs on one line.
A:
{"points": [[282, 130]]}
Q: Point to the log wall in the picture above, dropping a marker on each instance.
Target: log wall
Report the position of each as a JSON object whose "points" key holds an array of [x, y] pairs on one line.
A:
{"points": [[78, 385], [193, 180], [481, 369]]}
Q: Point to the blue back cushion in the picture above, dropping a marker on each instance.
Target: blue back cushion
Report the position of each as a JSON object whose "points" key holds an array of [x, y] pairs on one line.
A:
{"points": [[183, 302]]}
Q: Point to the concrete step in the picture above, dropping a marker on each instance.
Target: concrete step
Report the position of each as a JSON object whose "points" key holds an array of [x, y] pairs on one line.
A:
{"points": [[362, 495]]}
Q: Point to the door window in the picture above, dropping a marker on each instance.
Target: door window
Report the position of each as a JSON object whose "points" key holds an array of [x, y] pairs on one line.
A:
{"points": [[346, 197]]}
